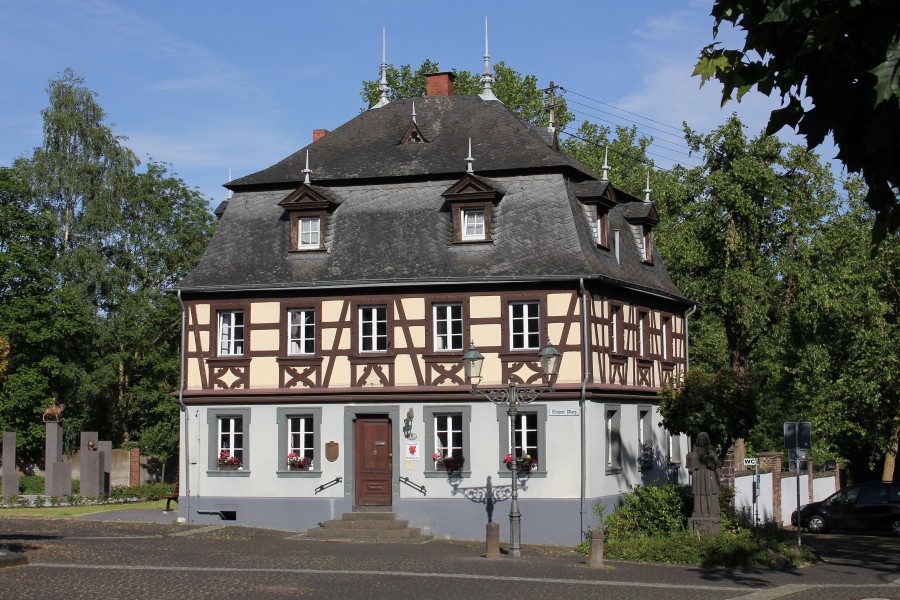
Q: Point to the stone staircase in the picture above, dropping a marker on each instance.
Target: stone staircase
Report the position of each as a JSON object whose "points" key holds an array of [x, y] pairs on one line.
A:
{"points": [[369, 524]]}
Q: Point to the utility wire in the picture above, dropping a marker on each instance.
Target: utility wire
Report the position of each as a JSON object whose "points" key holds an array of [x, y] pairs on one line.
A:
{"points": [[677, 129], [683, 150], [635, 123], [628, 156]]}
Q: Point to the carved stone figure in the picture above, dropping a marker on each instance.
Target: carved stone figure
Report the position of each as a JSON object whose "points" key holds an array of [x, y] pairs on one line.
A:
{"points": [[53, 413], [702, 463]]}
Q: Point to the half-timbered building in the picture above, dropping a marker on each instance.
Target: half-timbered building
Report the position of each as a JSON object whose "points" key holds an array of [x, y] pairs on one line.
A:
{"points": [[327, 319]]}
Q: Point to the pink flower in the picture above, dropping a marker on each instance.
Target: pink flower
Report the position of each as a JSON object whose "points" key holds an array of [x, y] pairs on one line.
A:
{"points": [[436, 456]]}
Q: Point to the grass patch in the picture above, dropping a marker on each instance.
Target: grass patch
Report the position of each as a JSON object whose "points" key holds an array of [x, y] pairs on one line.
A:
{"points": [[77, 511]]}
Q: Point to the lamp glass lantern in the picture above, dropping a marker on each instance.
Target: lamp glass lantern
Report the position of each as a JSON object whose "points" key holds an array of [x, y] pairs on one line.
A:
{"points": [[472, 362], [550, 361]]}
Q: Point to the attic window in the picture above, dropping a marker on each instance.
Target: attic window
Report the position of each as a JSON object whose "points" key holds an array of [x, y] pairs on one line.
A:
{"points": [[647, 246], [471, 200], [308, 210], [602, 227], [413, 135]]}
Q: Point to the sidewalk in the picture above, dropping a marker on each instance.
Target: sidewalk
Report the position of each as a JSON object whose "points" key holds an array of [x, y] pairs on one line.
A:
{"points": [[136, 548]]}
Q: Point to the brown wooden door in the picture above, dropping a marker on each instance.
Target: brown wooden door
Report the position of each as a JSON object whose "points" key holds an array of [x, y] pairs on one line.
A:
{"points": [[374, 460]]}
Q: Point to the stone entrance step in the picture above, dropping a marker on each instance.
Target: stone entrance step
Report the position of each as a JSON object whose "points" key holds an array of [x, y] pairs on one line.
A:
{"points": [[369, 524]]}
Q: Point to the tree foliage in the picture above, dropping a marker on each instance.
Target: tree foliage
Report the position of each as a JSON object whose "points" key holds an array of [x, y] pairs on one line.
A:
{"points": [[844, 58], [519, 92], [89, 245], [722, 404]]}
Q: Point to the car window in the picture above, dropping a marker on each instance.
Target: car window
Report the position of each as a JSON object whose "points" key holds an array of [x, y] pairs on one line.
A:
{"points": [[875, 494], [845, 496]]}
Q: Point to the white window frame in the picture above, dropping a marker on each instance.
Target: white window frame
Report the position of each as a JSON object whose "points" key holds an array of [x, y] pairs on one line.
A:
{"points": [[301, 429], [643, 325], [448, 329], [313, 422], [537, 428], [645, 435], [309, 232], [615, 343], [528, 323], [370, 317], [613, 423], [231, 334], [431, 415], [305, 341], [525, 432], [215, 417], [474, 218], [448, 426]]}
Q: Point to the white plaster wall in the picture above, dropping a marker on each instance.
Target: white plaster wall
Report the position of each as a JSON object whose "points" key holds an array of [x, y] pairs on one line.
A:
{"points": [[743, 496], [789, 496], [823, 487]]}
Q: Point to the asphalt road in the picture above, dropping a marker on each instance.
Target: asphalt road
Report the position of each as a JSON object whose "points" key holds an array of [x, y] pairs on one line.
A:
{"points": [[127, 559]]}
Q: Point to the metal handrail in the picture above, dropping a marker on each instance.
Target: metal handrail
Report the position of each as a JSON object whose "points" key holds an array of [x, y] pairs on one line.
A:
{"points": [[325, 486], [415, 486]]}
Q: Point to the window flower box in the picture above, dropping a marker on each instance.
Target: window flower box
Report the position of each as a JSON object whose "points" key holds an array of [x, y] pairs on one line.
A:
{"points": [[523, 464], [227, 462], [297, 462]]}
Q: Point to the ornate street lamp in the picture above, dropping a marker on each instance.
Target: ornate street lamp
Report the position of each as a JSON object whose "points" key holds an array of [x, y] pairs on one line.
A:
{"points": [[512, 396]]}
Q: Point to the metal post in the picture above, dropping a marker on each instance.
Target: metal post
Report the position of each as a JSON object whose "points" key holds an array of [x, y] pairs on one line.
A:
{"points": [[797, 463], [515, 518]]}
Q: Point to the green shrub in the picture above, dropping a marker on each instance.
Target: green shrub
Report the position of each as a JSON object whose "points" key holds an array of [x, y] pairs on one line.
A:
{"points": [[31, 484], [55, 501], [39, 502], [650, 510], [144, 491]]}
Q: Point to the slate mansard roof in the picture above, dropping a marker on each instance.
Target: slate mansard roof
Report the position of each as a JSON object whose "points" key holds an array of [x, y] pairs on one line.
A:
{"points": [[390, 224]]}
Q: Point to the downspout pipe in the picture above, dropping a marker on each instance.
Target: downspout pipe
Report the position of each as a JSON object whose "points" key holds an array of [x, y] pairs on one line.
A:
{"points": [[586, 364], [185, 412]]}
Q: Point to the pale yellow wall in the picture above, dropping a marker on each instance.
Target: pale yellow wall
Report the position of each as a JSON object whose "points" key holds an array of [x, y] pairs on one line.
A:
{"points": [[265, 312], [331, 310], [486, 334], [193, 374], [404, 373], [484, 306], [264, 372], [264, 340], [558, 304], [417, 334], [340, 374], [414, 308], [202, 314]]}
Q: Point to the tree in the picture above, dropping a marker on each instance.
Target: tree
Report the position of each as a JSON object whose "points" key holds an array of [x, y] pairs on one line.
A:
{"points": [[520, 93], [836, 66], [843, 359], [722, 404]]}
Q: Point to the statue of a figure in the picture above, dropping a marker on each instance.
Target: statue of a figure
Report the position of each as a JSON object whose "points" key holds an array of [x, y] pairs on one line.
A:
{"points": [[702, 463], [53, 413]]}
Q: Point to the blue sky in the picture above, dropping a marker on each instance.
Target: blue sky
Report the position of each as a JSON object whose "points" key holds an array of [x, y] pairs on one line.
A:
{"points": [[212, 86]]}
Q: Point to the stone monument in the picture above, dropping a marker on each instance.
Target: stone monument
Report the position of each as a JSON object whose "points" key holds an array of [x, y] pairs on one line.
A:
{"points": [[10, 477], [91, 466], [702, 463], [59, 474]]}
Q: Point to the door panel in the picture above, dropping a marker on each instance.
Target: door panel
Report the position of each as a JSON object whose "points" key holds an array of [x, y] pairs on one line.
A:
{"points": [[374, 461]]}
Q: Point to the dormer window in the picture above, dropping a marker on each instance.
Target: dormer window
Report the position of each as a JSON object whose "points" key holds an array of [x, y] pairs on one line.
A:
{"points": [[602, 227], [308, 209], [471, 200], [473, 224], [647, 246], [309, 233]]}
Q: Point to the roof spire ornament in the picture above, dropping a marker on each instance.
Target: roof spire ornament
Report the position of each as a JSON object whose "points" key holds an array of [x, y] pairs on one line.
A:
{"points": [[605, 167], [414, 112], [307, 170], [230, 192], [383, 85], [647, 189], [469, 159], [487, 80]]}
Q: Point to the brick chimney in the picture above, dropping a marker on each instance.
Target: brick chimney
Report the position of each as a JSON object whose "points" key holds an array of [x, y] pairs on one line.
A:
{"points": [[439, 84], [318, 134]]}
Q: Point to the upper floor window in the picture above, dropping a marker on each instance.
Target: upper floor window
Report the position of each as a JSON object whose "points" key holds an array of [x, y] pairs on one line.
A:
{"points": [[302, 331], [448, 327], [309, 233], [231, 333], [615, 329], [647, 246], [373, 329], [643, 334], [473, 224], [524, 320]]}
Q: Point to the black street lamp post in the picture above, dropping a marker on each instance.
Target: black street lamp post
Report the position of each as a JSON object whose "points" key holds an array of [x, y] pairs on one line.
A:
{"points": [[512, 396]]}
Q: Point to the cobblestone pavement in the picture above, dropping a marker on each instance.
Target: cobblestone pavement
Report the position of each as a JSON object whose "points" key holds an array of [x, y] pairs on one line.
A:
{"points": [[122, 559]]}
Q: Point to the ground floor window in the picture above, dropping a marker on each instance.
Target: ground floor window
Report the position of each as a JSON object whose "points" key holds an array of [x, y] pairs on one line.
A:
{"points": [[298, 435], [229, 439], [446, 440], [613, 439], [526, 435]]}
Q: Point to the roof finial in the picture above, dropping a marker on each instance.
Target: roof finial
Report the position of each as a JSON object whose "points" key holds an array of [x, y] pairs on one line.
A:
{"points": [[414, 111], [230, 193], [605, 167], [487, 80], [307, 170], [469, 159], [383, 85], [647, 189]]}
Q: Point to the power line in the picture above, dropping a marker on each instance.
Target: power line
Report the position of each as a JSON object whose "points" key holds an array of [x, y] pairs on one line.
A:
{"points": [[635, 123], [678, 129], [683, 150], [628, 156]]}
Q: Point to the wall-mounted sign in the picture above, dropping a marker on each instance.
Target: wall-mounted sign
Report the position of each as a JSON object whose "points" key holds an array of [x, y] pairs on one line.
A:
{"points": [[412, 451], [750, 462], [564, 412]]}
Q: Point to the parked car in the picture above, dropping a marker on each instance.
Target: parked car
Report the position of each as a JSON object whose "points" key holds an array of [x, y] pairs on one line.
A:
{"points": [[866, 506]]}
